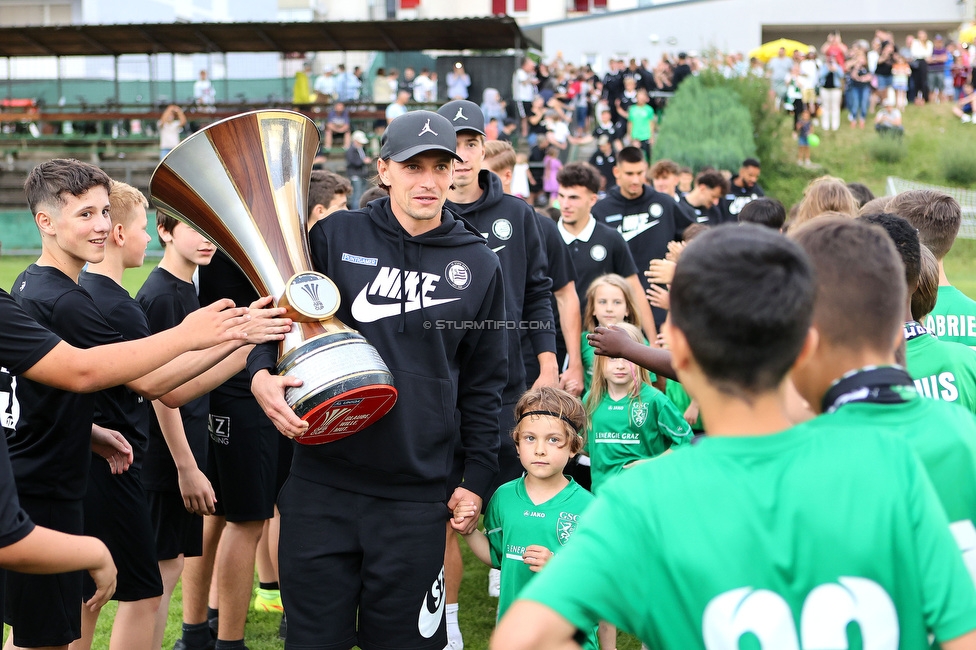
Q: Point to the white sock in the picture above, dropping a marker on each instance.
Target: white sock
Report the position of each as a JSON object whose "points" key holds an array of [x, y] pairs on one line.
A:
{"points": [[454, 640]]}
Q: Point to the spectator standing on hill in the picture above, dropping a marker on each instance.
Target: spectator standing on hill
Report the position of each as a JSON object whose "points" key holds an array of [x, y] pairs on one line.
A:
{"points": [[920, 50], [834, 48], [937, 69], [859, 92], [779, 70], [831, 92]]}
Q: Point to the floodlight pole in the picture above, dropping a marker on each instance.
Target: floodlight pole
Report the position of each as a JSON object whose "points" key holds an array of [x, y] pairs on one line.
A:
{"points": [[116, 80]]}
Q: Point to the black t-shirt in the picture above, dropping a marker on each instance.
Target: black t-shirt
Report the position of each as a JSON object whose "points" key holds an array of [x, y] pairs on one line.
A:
{"points": [[605, 164], [50, 450], [604, 252], [22, 344], [709, 216], [222, 278], [737, 198], [167, 300], [118, 407]]}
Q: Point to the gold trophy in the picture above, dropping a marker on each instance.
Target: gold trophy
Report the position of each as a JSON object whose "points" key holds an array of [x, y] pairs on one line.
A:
{"points": [[242, 182]]}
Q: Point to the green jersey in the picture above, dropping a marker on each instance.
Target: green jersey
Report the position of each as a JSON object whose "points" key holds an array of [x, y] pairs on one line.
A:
{"points": [[513, 522], [786, 540], [626, 430], [943, 435], [682, 400], [941, 369], [588, 356], [954, 317], [640, 118]]}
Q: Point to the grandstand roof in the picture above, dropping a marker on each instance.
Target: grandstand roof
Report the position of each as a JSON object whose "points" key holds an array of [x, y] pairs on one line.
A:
{"points": [[495, 33]]}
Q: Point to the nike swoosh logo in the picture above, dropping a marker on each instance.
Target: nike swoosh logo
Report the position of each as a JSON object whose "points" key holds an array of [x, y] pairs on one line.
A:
{"points": [[642, 228], [495, 250], [366, 312], [430, 621]]}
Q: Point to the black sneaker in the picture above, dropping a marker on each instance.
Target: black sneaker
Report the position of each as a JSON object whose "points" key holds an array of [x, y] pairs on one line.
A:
{"points": [[283, 628]]}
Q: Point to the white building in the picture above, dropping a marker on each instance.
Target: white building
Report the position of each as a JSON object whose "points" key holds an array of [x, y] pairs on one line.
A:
{"points": [[737, 25]]}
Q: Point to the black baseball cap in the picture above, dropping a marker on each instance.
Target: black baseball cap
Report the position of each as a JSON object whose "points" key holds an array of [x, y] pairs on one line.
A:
{"points": [[416, 132], [464, 116]]}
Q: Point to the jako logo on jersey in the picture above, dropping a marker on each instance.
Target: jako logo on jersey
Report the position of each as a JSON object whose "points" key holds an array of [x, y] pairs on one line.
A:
{"points": [[458, 275], [416, 285], [565, 526], [598, 253], [430, 619], [941, 386], [825, 615], [638, 413], [502, 229]]}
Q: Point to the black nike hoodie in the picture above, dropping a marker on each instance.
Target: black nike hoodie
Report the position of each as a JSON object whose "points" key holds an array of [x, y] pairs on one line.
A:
{"points": [[449, 369], [509, 226]]}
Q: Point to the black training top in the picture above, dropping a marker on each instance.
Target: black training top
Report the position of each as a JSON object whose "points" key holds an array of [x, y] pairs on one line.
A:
{"points": [[167, 300], [119, 408], [50, 451], [222, 278]]}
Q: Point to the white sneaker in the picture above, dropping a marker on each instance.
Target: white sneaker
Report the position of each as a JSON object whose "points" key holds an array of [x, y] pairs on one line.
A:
{"points": [[494, 583], [966, 118]]}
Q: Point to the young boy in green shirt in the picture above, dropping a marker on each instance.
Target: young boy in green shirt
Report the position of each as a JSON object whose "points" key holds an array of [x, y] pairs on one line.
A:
{"points": [[937, 218], [942, 370], [786, 542], [640, 124], [852, 377], [531, 518]]}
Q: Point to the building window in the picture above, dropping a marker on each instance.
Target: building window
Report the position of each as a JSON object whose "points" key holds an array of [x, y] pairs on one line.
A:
{"points": [[509, 6], [586, 6]]}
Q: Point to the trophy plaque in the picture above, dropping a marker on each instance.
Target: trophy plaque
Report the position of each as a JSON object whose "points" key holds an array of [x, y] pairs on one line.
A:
{"points": [[242, 182]]}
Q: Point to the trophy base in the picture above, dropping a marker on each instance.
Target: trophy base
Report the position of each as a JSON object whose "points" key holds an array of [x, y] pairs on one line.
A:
{"points": [[346, 386]]}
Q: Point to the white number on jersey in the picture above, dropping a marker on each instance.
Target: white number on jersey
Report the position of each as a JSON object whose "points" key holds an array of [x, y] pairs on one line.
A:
{"points": [[827, 611], [965, 534]]}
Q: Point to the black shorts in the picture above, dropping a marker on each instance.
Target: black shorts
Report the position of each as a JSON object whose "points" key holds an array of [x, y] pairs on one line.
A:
{"points": [[117, 512], [524, 108], [242, 463], [45, 610], [344, 555], [178, 532], [286, 449]]}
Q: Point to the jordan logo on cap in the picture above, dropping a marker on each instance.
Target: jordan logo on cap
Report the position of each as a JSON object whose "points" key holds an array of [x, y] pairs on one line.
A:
{"points": [[460, 115], [426, 129]]}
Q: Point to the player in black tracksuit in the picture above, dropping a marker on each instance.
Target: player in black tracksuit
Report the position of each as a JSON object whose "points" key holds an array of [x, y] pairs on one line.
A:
{"points": [[646, 219], [362, 518]]}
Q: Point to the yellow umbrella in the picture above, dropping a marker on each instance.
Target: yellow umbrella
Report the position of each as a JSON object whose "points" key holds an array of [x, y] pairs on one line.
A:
{"points": [[968, 34], [770, 50]]}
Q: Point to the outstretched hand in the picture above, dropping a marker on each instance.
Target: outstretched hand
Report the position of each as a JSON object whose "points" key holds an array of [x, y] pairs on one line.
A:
{"points": [[214, 324]]}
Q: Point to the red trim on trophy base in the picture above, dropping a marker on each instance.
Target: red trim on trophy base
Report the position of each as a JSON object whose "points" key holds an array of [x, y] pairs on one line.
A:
{"points": [[347, 413]]}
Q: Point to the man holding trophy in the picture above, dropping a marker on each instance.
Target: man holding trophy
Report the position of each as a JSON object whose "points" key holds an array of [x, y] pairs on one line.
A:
{"points": [[362, 518]]}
